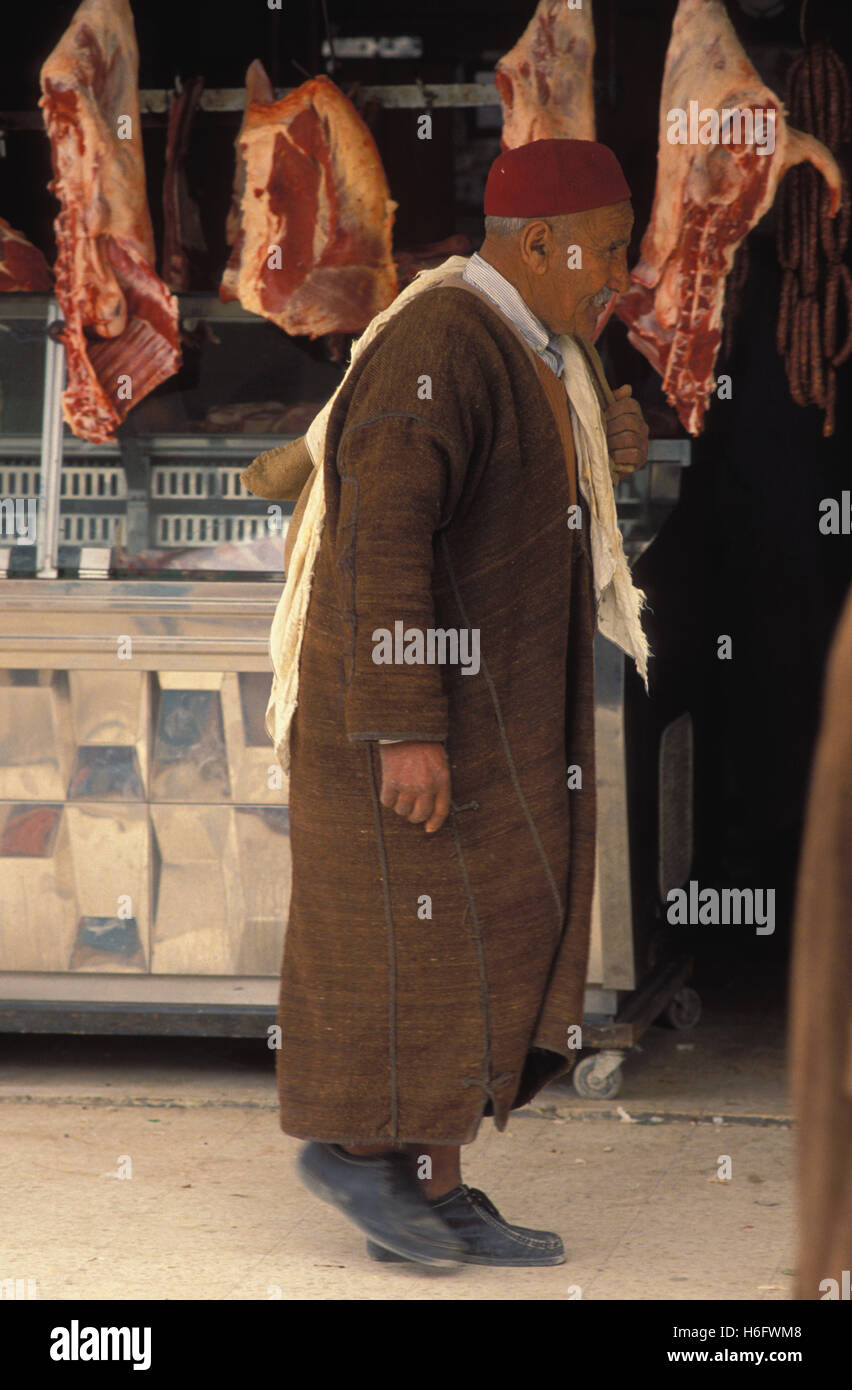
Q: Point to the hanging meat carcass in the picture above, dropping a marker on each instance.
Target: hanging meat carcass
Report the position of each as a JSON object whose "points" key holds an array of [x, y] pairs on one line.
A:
{"points": [[546, 85], [545, 82], [710, 192], [22, 266], [121, 323], [258, 89], [183, 235], [312, 250]]}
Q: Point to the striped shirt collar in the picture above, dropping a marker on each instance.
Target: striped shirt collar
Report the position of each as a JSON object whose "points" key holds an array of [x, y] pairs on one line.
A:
{"points": [[483, 276]]}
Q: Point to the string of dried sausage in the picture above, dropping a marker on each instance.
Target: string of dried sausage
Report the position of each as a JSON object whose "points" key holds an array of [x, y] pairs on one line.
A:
{"points": [[810, 244]]}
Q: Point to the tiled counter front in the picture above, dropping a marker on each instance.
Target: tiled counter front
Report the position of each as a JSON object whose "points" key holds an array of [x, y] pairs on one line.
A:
{"points": [[143, 816]]}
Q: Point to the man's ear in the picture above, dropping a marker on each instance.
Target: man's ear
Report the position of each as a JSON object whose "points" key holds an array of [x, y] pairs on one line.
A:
{"points": [[536, 246]]}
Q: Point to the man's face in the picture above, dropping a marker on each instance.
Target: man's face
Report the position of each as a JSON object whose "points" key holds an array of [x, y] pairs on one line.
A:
{"points": [[571, 297]]}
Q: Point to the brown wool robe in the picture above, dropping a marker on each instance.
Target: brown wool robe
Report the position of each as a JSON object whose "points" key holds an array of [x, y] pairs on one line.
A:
{"points": [[821, 994], [445, 512]]}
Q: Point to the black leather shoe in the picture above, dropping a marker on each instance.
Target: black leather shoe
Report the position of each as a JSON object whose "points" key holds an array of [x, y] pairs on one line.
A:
{"points": [[487, 1239], [383, 1196]]}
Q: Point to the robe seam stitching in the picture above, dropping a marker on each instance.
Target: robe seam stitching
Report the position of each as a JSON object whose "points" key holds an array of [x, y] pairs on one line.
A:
{"points": [[383, 861], [510, 762]]}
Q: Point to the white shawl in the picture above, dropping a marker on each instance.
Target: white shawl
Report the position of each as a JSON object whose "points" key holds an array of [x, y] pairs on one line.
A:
{"points": [[619, 602]]}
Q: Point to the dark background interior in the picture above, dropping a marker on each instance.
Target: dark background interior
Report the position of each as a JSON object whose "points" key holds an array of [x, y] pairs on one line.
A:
{"points": [[742, 553]]}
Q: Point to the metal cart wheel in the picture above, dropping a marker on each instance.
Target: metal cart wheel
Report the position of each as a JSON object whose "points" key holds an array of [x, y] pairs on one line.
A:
{"points": [[598, 1077], [683, 1009]]}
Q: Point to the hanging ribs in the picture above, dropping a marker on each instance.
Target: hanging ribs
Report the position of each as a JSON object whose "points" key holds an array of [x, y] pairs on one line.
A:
{"points": [[121, 324], [707, 199], [545, 81], [182, 230], [22, 266], [312, 247]]}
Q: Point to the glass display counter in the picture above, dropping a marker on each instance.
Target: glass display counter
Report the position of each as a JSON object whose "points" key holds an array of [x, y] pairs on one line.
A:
{"points": [[144, 831]]}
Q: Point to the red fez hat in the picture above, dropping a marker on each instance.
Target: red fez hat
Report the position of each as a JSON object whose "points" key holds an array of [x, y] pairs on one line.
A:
{"points": [[549, 178]]}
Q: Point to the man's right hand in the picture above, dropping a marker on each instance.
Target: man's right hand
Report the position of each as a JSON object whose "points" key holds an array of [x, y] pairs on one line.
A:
{"points": [[416, 782]]}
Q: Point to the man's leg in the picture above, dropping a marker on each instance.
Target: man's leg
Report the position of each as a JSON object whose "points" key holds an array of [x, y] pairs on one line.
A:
{"points": [[380, 1192], [470, 1217], [445, 1166]]}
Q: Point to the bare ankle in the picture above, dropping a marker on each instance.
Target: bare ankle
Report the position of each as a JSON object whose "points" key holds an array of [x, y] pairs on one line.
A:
{"points": [[434, 1190]]}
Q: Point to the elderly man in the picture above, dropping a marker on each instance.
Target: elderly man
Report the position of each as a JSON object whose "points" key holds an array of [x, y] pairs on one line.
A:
{"points": [[442, 792]]}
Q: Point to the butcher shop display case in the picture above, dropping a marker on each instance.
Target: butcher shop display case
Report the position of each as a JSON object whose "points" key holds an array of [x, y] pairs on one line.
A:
{"points": [[144, 829], [139, 791]]}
